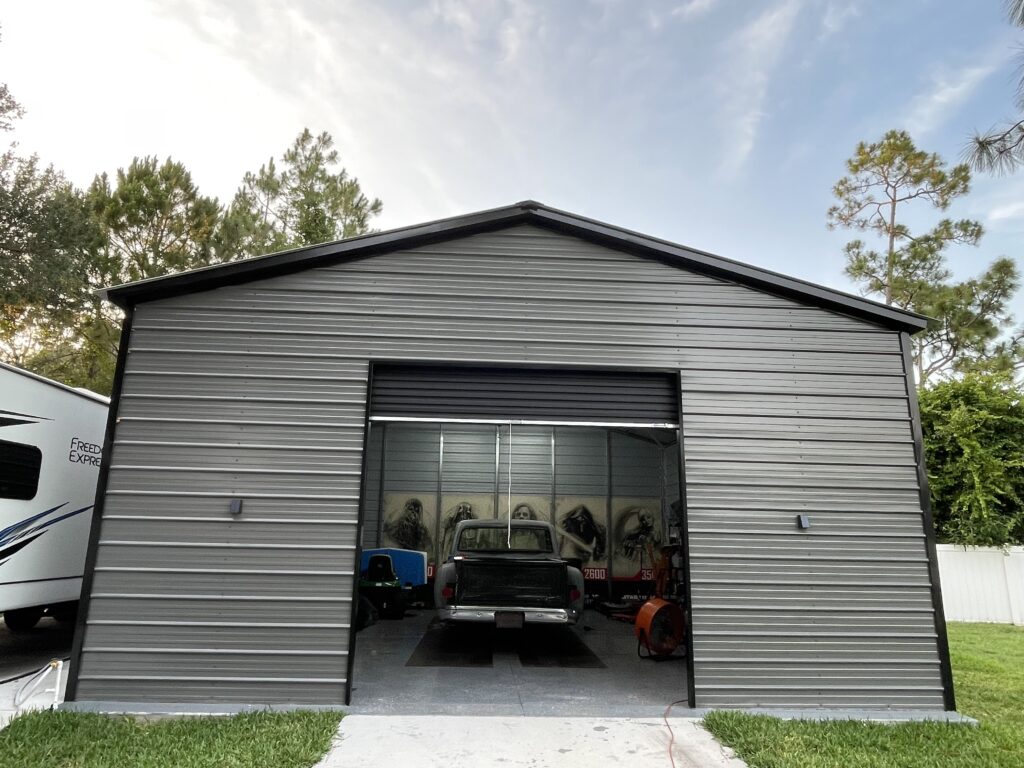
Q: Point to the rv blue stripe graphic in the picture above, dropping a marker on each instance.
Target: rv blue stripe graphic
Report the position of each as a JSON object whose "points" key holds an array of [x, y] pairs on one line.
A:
{"points": [[13, 537], [14, 419]]}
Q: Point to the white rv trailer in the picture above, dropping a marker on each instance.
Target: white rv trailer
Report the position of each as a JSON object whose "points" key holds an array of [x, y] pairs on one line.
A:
{"points": [[51, 439]]}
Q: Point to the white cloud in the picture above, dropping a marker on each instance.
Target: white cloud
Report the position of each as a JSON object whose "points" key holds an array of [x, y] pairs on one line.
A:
{"points": [[522, 26], [460, 14], [753, 55], [508, 25], [685, 12], [949, 89], [1007, 211], [113, 80], [416, 102], [692, 9], [837, 14]]}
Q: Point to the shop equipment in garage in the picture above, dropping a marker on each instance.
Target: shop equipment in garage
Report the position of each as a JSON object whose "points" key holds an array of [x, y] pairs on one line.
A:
{"points": [[382, 584], [661, 622]]}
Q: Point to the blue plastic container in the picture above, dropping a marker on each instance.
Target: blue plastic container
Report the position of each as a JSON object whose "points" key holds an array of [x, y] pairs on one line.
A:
{"points": [[410, 566]]}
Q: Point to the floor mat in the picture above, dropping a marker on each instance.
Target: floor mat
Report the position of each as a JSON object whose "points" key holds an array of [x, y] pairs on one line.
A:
{"points": [[555, 648], [443, 646]]}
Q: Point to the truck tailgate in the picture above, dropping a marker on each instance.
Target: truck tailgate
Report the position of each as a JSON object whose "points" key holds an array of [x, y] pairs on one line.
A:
{"points": [[511, 583]]}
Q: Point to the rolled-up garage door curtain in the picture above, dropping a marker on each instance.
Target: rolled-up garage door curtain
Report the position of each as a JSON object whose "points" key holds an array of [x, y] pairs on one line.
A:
{"points": [[523, 395]]}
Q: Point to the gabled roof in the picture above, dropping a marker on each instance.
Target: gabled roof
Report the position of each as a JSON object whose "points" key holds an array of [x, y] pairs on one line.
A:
{"points": [[527, 212]]}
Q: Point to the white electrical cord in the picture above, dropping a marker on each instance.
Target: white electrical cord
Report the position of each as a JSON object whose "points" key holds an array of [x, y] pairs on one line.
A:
{"points": [[36, 680]]}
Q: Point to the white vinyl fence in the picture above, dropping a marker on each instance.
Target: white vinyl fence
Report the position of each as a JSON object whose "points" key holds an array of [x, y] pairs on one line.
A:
{"points": [[982, 583]]}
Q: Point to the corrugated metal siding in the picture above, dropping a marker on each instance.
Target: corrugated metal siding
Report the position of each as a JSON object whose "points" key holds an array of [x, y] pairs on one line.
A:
{"points": [[532, 464], [840, 614], [671, 470], [257, 391], [469, 456], [371, 511], [581, 462], [413, 457], [636, 466], [189, 605]]}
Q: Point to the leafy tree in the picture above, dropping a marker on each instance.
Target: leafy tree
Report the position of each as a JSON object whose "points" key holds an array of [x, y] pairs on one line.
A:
{"points": [[974, 445], [47, 238], [909, 269], [305, 200], [969, 318], [155, 221], [57, 244], [60, 245], [10, 109], [83, 354], [49, 243], [1001, 149]]}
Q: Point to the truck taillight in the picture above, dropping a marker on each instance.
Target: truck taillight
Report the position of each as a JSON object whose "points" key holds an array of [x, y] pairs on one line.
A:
{"points": [[448, 592], [574, 595]]}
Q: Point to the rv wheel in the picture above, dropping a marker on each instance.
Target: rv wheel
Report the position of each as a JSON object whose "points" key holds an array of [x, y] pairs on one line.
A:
{"points": [[22, 619]]}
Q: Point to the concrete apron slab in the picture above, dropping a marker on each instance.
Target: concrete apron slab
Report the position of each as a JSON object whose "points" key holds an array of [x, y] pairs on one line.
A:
{"points": [[41, 698], [370, 741]]}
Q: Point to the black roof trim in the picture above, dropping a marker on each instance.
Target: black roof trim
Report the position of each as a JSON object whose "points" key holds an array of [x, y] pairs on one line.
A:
{"points": [[528, 211]]}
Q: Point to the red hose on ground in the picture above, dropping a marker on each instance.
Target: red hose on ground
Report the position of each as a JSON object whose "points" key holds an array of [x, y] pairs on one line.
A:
{"points": [[672, 734]]}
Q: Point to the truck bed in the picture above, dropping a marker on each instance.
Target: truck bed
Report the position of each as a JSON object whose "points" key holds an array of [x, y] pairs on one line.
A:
{"points": [[514, 583]]}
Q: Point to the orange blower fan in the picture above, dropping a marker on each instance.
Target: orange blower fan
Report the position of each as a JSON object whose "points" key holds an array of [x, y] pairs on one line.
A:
{"points": [[660, 627]]}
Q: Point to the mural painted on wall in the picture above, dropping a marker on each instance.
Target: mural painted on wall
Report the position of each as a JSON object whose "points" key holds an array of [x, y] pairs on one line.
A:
{"points": [[582, 527], [636, 523], [456, 507], [410, 519], [525, 507]]}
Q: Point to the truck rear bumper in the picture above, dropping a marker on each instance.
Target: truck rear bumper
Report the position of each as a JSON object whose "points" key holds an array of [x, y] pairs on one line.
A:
{"points": [[485, 614]]}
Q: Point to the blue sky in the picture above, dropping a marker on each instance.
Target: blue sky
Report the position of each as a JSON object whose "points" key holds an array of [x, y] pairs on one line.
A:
{"points": [[720, 124]]}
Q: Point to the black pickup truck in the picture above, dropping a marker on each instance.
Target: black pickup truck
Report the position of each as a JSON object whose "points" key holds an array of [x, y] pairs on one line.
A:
{"points": [[507, 576]]}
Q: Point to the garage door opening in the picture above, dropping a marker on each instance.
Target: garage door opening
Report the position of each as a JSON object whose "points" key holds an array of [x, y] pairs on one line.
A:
{"points": [[612, 494]]}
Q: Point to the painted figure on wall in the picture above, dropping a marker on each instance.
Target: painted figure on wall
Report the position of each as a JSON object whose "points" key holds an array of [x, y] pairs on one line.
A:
{"points": [[461, 511], [408, 530], [587, 537], [634, 527], [524, 512]]}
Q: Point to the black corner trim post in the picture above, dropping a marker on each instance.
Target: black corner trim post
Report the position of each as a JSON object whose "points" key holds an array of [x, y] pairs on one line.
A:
{"points": [[945, 667], [691, 687], [353, 621], [97, 511]]}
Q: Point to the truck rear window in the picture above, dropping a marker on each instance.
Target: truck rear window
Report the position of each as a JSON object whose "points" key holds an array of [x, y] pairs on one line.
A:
{"points": [[19, 470], [497, 540]]}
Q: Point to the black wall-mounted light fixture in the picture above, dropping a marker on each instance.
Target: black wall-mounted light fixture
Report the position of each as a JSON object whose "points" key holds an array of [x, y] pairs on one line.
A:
{"points": [[803, 522], [236, 507]]}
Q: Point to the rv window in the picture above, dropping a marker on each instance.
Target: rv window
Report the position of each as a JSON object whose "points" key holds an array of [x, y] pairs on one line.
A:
{"points": [[19, 470]]}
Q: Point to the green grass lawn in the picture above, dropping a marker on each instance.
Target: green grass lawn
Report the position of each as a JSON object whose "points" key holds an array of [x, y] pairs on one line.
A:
{"points": [[81, 740], [988, 675]]}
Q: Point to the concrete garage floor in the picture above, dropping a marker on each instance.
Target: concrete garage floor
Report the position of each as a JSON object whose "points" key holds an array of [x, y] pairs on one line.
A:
{"points": [[415, 666]]}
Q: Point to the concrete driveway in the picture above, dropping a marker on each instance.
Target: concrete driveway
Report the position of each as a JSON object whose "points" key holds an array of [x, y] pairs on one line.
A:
{"points": [[370, 741]]}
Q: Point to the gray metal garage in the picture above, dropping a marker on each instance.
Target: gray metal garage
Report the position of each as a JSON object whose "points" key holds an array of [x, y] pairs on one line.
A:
{"points": [[319, 386]]}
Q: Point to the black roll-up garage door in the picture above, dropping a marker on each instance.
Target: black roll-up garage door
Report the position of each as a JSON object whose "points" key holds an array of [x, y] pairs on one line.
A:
{"points": [[567, 396]]}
